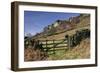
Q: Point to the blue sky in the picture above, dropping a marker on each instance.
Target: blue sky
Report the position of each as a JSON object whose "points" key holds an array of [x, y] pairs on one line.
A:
{"points": [[35, 21]]}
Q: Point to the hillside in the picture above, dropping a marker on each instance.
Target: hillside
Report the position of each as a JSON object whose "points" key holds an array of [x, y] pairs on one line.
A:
{"points": [[60, 31]]}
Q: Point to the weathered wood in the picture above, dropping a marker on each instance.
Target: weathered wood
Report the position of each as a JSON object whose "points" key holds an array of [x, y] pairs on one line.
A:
{"points": [[53, 47]]}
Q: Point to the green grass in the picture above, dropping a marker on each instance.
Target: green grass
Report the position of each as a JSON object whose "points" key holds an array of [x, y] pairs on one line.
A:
{"points": [[59, 55]]}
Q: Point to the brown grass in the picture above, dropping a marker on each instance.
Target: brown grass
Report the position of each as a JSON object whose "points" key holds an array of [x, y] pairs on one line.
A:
{"points": [[81, 51], [34, 55]]}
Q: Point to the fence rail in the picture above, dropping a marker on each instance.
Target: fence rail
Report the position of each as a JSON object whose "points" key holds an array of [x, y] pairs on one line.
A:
{"points": [[54, 45]]}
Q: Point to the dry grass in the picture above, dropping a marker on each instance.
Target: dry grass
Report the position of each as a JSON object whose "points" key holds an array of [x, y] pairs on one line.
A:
{"points": [[62, 35], [34, 55], [81, 51]]}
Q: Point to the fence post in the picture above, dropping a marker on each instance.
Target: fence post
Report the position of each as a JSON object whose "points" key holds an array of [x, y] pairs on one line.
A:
{"points": [[46, 43], [46, 46], [53, 47], [69, 42]]}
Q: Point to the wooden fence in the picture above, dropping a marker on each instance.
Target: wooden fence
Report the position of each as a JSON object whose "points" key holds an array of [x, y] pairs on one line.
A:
{"points": [[54, 45], [63, 44]]}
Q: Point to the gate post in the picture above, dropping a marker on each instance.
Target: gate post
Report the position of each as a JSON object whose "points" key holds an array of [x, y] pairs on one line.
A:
{"points": [[53, 47], [69, 42], [46, 46], [68, 38]]}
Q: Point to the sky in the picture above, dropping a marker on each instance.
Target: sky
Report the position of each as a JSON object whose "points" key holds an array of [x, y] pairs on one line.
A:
{"points": [[35, 21]]}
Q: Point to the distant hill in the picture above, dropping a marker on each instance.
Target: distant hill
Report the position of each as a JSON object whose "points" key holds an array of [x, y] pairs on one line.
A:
{"points": [[62, 27]]}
